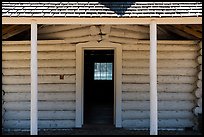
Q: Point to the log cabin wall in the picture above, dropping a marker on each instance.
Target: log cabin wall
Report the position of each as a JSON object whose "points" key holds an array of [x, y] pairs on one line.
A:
{"points": [[177, 77], [198, 91], [56, 79]]}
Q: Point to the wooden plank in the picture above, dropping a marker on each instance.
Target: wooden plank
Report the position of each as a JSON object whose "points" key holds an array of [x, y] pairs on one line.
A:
{"points": [[161, 47], [188, 30], [160, 55], [41, 79], [161, 79], [41, 55], [25, 124], [131, 115], [161, 63], [161, 71], [178, 32], [162, 105], [162, 96], [16, 30], [26, 48], [161, 87], [42, 115], [41, 63], [42, 105], [56, 28], [163, 123], [57, 96], [46, 88], [41, 71]]}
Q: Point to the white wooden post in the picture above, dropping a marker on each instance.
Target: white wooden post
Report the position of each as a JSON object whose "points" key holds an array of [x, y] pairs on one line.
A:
{"points": [[153, 79], [34, 81]]}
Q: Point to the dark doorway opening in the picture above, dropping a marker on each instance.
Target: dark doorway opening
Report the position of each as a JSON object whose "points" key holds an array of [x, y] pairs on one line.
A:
{"points": [[98, 87]]}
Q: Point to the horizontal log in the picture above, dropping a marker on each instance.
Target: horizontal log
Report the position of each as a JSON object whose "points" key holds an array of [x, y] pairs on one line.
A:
{"points": [[164, 123], [178, 42], [41, 55], [58, 96], [160, 47], [198, 92], [200, 75], [199, 59], [27, 42], [41, 71], [42, 47], [197, 110], [161, 63], [41, 63], [105, 29], [41, 88], [199, 83], [56, 28], [200, 67], [83, 39], [123, 40], [66, 34], [131, 114], [160, 55], [47, 88], [161, 71], [42, 115], [160, 87], [42, 105], [25, 124], [94, 30], [122, 33], [199, 102], [162, 96], [200, 44], [133, 28], [162, 105], [160, 79], [200, 51], [41, 79]]}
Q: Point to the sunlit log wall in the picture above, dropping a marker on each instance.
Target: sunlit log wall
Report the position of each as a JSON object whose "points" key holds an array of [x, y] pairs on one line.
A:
{"points": [[179, 88]]}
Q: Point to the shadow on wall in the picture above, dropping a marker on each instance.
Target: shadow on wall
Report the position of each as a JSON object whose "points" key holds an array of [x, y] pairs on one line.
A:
{"points": [[118, 7]]}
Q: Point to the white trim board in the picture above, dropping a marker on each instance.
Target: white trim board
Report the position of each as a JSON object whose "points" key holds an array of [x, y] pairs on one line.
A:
{"points": [[117, 78], [63, 20]]}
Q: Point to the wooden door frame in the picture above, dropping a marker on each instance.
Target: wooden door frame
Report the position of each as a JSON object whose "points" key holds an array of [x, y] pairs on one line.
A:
{"points": [[94, 45]]}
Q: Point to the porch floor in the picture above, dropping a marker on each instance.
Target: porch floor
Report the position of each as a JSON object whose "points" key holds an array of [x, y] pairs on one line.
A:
{"points": [[100, 130]]}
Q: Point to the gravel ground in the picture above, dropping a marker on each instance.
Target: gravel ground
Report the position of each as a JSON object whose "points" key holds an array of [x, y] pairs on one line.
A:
{"points": [[101, 131]]}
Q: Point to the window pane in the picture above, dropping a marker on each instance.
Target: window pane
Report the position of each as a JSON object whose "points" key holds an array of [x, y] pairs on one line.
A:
{"points": [[103, 71]]}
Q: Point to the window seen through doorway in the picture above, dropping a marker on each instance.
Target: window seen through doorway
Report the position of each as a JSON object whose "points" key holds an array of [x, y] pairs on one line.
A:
{"points": [[102, 71]]}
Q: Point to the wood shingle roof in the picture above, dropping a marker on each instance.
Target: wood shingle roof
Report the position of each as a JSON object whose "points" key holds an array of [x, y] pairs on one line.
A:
{"points": [[102, 9]]}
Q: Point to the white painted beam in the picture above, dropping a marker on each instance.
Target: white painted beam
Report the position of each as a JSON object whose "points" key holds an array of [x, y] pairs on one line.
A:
{"points": [[56, 20], [34, 81], [153, 79]]}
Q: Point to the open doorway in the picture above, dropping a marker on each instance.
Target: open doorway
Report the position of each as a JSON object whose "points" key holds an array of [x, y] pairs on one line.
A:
{"points": [[99, 87]]}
